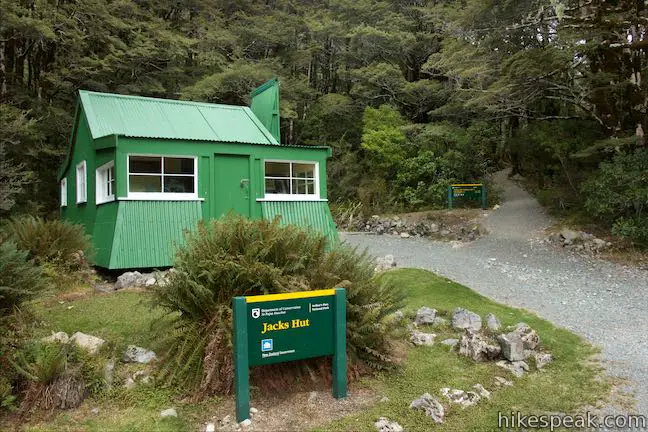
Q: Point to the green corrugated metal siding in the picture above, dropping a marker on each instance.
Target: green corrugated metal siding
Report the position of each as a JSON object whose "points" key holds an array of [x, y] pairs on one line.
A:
{"points": [[146, 232], [265, 106], [142, 117], [103, 232], [315, 214]]}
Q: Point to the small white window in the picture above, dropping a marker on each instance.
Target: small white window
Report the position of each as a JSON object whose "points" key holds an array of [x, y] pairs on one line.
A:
{"points": [[81, 183], [162, 177], [291, 180], [106, 183], [64, 192]]}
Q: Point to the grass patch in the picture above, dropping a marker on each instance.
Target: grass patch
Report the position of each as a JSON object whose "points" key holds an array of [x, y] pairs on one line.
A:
{"points": [[568, 384], [121, 318]]}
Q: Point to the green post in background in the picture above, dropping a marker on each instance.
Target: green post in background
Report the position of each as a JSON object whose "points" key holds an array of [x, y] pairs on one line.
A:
{"points": [[450, 197], [339, 355], [484, 197], [241, 362]]}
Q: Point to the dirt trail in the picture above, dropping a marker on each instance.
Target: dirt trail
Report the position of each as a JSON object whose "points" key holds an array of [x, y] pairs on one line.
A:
{"points": [[603, 301]]}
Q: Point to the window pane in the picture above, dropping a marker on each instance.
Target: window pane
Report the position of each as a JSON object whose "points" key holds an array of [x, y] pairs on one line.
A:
{"points": [[174, 184], [304, 187], [145, 164], [178, 166], [277, 169], [281, 186], [304, 170], [138, 183]]}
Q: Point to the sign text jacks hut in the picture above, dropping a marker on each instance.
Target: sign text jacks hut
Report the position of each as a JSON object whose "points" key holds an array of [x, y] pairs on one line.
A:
{"points": [[278, 328]]}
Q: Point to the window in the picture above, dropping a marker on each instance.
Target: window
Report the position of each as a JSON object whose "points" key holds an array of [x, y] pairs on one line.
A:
{"points": [[106, 183], [162, 177], [64, 192], [81, 183], [291, 179]]}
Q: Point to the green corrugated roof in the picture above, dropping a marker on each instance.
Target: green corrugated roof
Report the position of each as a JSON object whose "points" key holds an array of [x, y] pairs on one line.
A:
{"points": [[144, 117]]}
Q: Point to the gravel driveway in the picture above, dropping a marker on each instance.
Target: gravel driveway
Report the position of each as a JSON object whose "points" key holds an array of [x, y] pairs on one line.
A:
{"points": [[604, 302]]}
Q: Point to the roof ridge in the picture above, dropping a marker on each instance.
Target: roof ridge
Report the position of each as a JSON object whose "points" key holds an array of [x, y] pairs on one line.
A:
{"points": [[162, 100]]}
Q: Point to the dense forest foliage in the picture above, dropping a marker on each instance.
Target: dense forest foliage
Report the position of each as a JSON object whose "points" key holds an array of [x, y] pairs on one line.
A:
{"points": [[411, 95]]}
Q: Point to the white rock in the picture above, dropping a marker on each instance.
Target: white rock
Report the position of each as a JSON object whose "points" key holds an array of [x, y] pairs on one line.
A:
{"points": [[135, 354], [171, 412], [460, 397], [150, 281], [431, 406], [477, 347], [58, 337], [405, 235], [211, 427], [419, 338], [465, 319], [246, 423], [95, 411], [91, 344], [385, 425], [543, 359], [482, 391], [128, 279], [425, 315], [384, 399], [502, 382], [512, 346], [253, 410], [493, 323]]}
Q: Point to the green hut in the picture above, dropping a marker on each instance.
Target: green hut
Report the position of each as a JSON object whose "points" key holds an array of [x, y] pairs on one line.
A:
{"points": [[140, 171]]}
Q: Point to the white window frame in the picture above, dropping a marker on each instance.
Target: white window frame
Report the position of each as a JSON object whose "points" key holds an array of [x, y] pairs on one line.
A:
{"points": [[292, 197], [82, 183], [162, 196], [102, 178], [64, 192]]}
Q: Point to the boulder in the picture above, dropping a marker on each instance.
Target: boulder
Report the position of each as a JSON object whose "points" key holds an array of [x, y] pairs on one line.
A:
{"points": [[517, 368], [425, 315], [512, 346], [246, 423], [430, 405], [89, 343], [385, 425], [405, 235], [460, 397], [129, 279], [386, 263], [135, 354], [58, 337], [171, 412], [529, 336], [210, 427], [477, 347], [419, 338], [464, 319], [130, 383], [493, 323], [543, 359]]}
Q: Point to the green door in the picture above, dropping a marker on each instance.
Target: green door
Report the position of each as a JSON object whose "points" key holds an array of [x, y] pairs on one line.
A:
{"points": [[231, 184]]}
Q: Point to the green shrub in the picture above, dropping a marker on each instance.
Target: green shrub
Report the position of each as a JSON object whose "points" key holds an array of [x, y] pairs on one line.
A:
{"points": [[52, 376], [618, 195], [20, 279], [234, 256], [62, 248]]}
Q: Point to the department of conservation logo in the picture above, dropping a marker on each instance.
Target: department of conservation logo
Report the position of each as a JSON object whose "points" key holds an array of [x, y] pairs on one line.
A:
{"points": [[256, 313]]}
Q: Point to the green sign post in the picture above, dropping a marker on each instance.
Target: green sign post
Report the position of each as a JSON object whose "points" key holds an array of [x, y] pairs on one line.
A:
{"points": [[278, 328], [464, 192]]}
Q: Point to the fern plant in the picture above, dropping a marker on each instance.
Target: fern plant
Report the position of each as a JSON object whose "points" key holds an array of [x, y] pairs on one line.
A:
{"points": [[233, 257]]}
